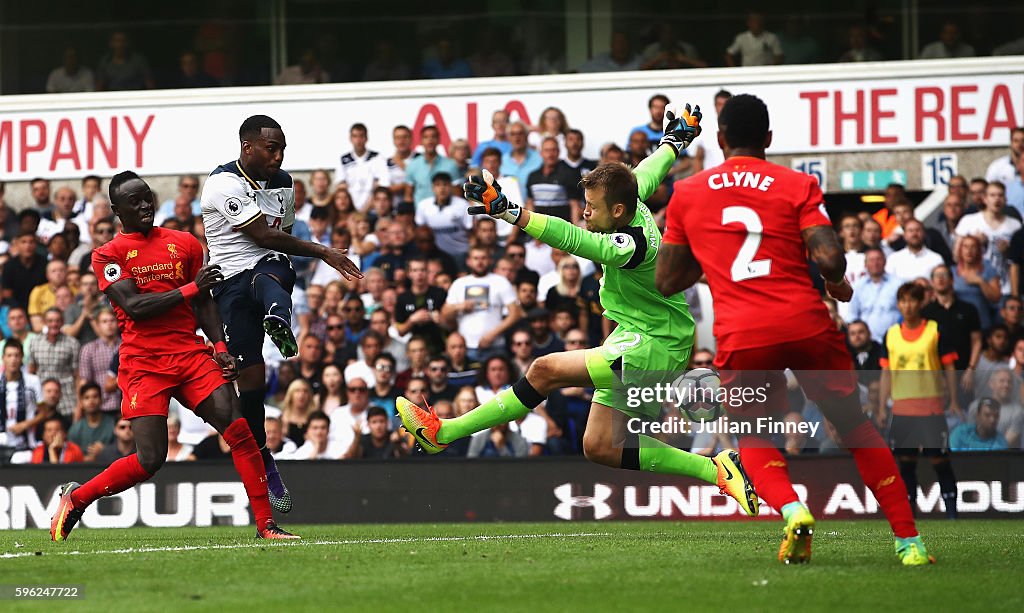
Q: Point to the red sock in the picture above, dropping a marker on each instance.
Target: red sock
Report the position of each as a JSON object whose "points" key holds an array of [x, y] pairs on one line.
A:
{"points": [[878, 469], [249, 464], [118, 477], [768, 470]]}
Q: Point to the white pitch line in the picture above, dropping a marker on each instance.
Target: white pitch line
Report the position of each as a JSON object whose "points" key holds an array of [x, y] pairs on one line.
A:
{"points": [[381, 541]]}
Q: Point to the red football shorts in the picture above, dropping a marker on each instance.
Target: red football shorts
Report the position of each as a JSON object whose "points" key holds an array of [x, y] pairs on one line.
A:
{"points": [[821, 363], [149, 382]]}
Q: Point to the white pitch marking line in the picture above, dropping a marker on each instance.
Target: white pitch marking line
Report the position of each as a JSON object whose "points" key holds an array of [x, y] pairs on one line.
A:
{"points": [[381, 541]]}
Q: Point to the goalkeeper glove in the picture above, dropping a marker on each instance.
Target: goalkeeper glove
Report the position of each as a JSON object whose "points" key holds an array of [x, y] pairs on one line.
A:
{"points": [[680, 131], [491, 201]]}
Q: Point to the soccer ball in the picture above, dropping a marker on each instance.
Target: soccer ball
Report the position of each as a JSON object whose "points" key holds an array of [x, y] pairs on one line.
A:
{"points": [[699, 394]]}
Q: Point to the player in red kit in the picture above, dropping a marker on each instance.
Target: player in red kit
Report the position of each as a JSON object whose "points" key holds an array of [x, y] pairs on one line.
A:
{"points": [[147, 273], [748, 226]]}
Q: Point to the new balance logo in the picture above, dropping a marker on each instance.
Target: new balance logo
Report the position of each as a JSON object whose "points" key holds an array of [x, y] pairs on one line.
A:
{"points": [[568, 502]]}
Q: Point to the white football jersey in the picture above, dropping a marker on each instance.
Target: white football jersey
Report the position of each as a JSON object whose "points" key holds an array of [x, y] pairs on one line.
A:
{"points": [[230, 201]]}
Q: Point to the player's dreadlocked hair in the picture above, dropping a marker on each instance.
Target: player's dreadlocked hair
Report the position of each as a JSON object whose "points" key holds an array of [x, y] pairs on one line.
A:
{"points": [[251, 127], [117, 181], [618, 183], [744, 122]]}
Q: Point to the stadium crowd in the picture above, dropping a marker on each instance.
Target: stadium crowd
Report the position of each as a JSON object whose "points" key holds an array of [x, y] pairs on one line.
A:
{"points": [[453, 309], [214, 63]]}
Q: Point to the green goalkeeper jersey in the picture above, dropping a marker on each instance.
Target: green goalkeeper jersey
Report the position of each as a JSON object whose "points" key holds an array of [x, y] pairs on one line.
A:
{"points": [[628, 256]]}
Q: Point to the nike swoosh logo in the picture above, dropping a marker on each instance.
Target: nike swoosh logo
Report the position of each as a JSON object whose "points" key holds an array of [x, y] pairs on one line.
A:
{"points": [[728, 473], [423, 439]]}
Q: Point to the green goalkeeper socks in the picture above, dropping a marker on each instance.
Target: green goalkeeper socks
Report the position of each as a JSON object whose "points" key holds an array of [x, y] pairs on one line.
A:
{"points": [[657, 457], [509, 405]]}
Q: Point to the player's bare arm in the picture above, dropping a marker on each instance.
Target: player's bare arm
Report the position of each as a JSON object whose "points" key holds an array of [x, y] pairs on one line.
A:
{"points": [[208, 317], [272, 238], [676, 269], [125, 294], [826, 251]]}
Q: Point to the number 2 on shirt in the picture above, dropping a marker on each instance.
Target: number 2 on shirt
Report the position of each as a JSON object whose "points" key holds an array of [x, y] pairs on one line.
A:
{"points": [[745, 266]]}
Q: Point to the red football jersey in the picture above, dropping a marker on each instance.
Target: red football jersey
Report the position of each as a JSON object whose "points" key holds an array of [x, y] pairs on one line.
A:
{"points": [[163, 261], [743, 221]]}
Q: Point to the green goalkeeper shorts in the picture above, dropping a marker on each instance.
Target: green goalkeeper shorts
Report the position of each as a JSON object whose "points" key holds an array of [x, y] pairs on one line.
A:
{"points": [[628, 362]]}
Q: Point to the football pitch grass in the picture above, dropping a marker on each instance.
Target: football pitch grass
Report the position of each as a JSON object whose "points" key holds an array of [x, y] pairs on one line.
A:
{"points": [[657, 566]]}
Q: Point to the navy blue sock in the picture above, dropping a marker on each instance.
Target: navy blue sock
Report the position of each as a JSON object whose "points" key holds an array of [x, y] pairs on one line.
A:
{"points": [[276, 301]]}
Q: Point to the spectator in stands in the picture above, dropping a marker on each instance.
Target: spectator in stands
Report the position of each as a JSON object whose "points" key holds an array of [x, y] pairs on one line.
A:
{"points": [[1005, 390], [356, 324], [84, 310], [982, 435], [1010, 314], [102, 233], [23, 271], [995, 356], [552, 124], [526, 294], [71, 76], [755, 46], [567, 290], [464, 369], [522, 351], [545, 341], [499, 140], [481, 305], [447, 215], [610, 152], [656, 105], [553, 189], [336, 349], [401, 137], [619, 57], [705, 149], [342, 206], [176, 450], [309, 360], [976, 195], [20, 392], [974, 280], [42, 296], [1015, 188], [668, 52], [40, 189], [958, 321], [96, 356], [361, 170], [319, 445], [394, 251], [637, 149], [460, 153], [350, 420], [494, 376], [332, 392], [17, 324], [55, 447], [124, 444], [498, 442], [9, 225], [798, 46], [420, 170], [948, 46], [190, 73], [445, 64], [52, 221], [55, 354], [380, 443], [872, 236], [1015, 257], [93, 429], [418, 357], [915, 261], [574, 154], [380, 322], [994, 229], [522, 159], [281, 448], [299, 404], [385, 64], [952, 211], [122, 68], [1004, 168], [188, 192], [418, 310], [850, 230], [859, 50], [874, 296], [370, 345], [865, 351], [384, 392], [307, 71]]}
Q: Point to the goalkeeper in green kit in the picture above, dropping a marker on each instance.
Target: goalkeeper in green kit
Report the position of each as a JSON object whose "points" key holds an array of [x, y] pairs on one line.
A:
{"points": [[651, 344]]}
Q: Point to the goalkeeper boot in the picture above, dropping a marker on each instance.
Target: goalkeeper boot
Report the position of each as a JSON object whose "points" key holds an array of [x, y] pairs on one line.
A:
{"points": [[796, 536], [280, 332], [911, 552], [274, 532], [733, 481], [67, 515], [423, 425]]}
